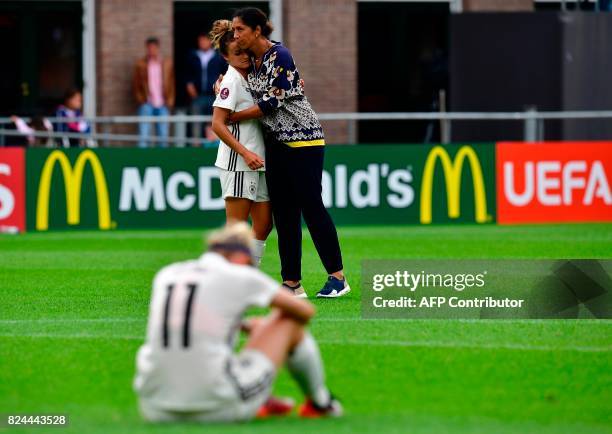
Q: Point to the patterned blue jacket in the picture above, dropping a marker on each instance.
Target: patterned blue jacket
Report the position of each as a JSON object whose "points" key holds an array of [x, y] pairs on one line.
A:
{"points": [[275, 87]]}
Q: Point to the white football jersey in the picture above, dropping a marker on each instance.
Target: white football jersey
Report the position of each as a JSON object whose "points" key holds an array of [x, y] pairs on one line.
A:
{"points": [[234, 95], [194, 319]]}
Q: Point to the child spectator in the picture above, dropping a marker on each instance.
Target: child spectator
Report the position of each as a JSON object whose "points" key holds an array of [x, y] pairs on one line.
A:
{"points": [[71, 109]]}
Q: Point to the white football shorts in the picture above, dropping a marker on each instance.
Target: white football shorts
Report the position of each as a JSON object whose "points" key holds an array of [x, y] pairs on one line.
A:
{"points": [[246, 383], [246, 185]]}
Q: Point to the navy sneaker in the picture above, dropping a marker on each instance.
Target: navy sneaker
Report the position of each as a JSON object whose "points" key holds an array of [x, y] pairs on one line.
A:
{"points": [[334, 288]]}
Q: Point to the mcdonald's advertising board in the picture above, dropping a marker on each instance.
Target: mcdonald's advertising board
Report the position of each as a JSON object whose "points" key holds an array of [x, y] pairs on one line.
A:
{"points": [[122, 188], [410, 184], [159, 188], [554, 182]]}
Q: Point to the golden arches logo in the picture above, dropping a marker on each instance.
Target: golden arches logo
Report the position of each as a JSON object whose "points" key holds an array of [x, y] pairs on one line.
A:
{"points": [[73, 179], [452, 177]]}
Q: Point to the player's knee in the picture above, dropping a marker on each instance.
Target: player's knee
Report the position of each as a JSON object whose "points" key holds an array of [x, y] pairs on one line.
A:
{"points": [[294, 329]]}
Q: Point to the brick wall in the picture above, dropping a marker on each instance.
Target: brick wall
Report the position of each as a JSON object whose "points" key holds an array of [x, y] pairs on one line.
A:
{"points": [[122, 27], [497, 5], [322, 36]]}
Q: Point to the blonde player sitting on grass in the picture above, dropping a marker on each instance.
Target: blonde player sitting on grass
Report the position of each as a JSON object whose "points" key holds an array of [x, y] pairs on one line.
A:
{"points": [[188, 369], [241, 151]]}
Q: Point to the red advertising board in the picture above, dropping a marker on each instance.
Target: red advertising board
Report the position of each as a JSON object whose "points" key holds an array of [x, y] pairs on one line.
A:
{"points": [[553, 182], [12, 189]]}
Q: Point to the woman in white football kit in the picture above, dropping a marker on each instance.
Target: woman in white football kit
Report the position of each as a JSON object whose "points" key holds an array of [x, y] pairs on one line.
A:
{"points": [[188, 369], [241, 151]]}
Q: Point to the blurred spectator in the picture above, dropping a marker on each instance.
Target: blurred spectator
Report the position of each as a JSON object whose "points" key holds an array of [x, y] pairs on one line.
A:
{"points": [[73, 103], [37, 123], [203, 68], [153, 87]]}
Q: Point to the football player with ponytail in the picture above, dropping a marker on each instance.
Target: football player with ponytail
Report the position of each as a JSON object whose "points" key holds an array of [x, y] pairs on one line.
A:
{"points": [[241, 152]]}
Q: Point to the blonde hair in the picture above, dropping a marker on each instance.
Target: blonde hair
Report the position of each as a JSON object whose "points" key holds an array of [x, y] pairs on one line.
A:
{"points": [[236, 235], [221, 35]]}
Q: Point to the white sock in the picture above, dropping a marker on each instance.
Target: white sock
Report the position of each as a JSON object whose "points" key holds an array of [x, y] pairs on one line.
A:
{"points": [[306, 367], [259, 248]]}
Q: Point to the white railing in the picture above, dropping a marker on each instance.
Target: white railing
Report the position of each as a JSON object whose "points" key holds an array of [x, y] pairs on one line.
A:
{"points": [[533, 124]]}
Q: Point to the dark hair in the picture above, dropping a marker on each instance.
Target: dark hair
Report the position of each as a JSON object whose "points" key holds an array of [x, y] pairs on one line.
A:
{"points": [[152, 40], [254, 17], [70, 93], [203, 34], [38, 123]]}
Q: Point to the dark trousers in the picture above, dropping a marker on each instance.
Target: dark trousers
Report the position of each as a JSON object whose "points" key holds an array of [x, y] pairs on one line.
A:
{"points": [[293, 176]]}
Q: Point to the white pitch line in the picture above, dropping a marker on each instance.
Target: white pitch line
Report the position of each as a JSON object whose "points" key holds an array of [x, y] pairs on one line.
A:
{"points": [[468, 320], [354, 342], [72, 336], [71, 320], [341, 319], [476, 346]]}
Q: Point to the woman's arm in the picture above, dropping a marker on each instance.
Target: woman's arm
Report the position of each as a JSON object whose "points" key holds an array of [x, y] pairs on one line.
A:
{"points": [[297, 308], [253, 112], [283, 79], [220, 116]]}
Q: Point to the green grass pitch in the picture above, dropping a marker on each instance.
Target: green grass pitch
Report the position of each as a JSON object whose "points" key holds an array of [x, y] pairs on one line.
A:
{"points": [[74, 307]]}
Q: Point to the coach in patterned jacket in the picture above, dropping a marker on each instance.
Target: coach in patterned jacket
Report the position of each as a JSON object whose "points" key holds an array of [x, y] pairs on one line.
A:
{"points": [[294, 153]]}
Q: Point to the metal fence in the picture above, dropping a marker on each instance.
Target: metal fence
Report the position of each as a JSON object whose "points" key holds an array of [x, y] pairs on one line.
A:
{"points": [[533, 124]]}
